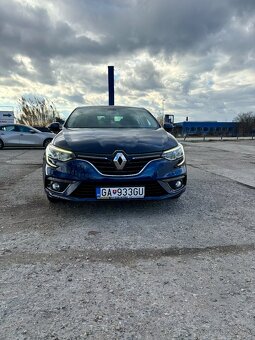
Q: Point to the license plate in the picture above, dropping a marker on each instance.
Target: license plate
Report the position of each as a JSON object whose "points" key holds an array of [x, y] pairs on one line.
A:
{"points": [[120, 192]]}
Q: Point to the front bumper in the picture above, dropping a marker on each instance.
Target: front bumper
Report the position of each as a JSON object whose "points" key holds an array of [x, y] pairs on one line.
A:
{"points": [[78, 180]]}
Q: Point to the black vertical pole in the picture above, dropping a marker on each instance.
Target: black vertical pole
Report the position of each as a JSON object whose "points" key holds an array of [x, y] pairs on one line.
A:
{"points": [[111, 84]]}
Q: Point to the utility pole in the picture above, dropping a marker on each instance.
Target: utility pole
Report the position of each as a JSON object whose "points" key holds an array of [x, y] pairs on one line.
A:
{"points": [[111, 84]]}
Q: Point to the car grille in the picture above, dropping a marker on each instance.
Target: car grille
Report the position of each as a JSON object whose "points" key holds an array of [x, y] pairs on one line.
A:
{"points": [[88, 189], [105, 165]]}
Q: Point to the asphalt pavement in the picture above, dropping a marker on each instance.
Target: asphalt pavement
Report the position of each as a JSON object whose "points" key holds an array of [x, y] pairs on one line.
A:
{"points": [[176, 269]]}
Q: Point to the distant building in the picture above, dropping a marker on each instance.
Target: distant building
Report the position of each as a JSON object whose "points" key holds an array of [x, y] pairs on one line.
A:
{"points": [[210, 128]]}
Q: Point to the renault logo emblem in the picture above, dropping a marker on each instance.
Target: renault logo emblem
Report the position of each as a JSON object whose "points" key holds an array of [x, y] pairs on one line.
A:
{"points": [[119, 160]]}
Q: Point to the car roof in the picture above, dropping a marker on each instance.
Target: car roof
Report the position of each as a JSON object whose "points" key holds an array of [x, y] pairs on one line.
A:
{"points": [[10, 124], [14, 124], [110, 106]]}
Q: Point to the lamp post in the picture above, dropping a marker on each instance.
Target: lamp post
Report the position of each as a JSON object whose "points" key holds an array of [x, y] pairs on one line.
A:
{"points": [[163, 110], [163, 106]]}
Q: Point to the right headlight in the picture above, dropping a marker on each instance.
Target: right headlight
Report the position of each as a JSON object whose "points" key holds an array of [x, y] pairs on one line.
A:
{"points": [[175, 153], [54, 154]]}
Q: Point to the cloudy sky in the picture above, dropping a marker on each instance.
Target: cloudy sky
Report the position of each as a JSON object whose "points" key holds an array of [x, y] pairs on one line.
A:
{"points": [[195, 56]]}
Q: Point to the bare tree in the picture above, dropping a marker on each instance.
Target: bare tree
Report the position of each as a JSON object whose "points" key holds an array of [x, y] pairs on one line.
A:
{"points": [[246, 123], [36, 110]]}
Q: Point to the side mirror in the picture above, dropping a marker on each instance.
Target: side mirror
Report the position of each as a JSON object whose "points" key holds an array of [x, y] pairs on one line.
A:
{"points": [[168, 127], [32, 131], [55, 127]]}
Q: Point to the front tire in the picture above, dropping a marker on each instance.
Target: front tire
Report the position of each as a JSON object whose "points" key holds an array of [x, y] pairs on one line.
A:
{"points": [[47, 142], [1, 144]]}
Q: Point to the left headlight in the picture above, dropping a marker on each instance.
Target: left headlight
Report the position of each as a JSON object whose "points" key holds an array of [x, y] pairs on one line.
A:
{"points": [[175, 153], [54, 154]]}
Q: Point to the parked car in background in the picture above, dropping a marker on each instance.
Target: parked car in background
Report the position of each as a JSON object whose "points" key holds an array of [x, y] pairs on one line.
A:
{"points": [[54, 127], [121, 153], [23, 135], [41, 128]]}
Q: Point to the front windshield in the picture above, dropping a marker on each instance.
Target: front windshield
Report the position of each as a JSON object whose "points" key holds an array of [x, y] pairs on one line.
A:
{"points": [[111, 117]]}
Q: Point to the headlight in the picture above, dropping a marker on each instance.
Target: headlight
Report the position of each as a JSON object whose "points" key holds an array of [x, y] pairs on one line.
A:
{"points": [[54, 154], [175, 153]]}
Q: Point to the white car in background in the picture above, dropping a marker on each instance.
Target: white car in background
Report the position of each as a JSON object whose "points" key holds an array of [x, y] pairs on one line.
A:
{"points": [[23, 135]]}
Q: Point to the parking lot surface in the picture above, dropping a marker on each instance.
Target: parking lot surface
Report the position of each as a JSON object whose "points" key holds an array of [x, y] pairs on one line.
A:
{"points": [[178, 269]]}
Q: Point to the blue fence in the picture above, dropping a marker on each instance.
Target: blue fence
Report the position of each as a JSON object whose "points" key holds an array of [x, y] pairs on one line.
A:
{"points": [[229, 129]]}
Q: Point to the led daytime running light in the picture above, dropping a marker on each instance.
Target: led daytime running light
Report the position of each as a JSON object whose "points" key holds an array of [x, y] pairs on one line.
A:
{"points": [[54, 153], [175, 153]]}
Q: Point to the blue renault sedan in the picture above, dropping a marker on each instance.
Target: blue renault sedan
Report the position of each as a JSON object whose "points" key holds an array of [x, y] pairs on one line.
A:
{"points": [[113, 153]]}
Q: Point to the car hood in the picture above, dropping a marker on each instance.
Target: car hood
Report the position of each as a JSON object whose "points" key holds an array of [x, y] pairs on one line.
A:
{"points": [[106, 141], [48, 134]]}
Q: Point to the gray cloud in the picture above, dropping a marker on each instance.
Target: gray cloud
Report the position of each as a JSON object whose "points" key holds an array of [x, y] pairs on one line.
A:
{"points": [[10, 82], [68, 42], [76, 98], [176, 26], [142, 77]]}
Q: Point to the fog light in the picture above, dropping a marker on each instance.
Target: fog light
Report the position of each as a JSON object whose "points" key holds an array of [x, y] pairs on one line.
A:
{"points": [[178, 184], [55, 186]]}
